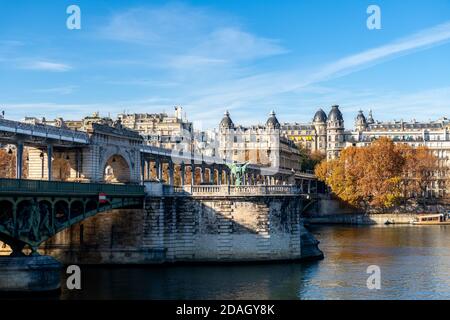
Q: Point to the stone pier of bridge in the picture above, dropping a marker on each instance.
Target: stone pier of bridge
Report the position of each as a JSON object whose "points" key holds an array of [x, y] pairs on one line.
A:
{"points": [[198, 224]]}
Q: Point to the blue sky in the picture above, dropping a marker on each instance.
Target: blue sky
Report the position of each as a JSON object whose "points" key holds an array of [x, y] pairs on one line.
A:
{"points": [[245, 56]]}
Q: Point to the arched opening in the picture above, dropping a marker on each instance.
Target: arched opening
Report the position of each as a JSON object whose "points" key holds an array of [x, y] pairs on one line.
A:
{"points": [[91, 205], [216, 177], [6, 216], [46, 223], [197, 175], [116, 170], [76, 209], [61, 212], [188, 175], [153, 171], [24, 209], [165, 172], [177, 175], [208, 176], [60, 169]]}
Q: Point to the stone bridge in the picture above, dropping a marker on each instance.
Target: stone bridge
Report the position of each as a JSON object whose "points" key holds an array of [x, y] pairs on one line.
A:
{"points": [[110, 198], [114, 154]]}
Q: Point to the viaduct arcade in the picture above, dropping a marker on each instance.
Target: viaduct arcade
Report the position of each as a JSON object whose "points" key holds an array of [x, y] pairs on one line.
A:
{"points": [[115, 154]]}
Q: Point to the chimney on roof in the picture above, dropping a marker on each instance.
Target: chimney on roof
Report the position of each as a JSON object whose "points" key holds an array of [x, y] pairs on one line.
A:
{"points": [[179, 112]]}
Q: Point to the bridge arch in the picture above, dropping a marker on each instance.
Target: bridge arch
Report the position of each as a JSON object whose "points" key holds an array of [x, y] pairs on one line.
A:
{"points": [[76, 209], [116, 169], [91, 205], [7, 215], [61, 212]]}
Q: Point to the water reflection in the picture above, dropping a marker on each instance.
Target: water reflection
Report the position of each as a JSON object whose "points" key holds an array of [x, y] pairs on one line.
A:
{"points": [[414, 262]]}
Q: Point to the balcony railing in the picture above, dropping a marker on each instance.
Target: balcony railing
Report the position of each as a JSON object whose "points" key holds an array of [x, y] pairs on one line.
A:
{"points": [[26, 187]]}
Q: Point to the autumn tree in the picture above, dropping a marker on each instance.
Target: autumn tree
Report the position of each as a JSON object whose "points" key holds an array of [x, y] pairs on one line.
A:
{"points": [[8, 163], [310, 159], [381, 175], [421, 168]]}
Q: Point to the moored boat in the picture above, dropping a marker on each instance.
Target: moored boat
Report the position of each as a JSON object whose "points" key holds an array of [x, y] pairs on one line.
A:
{"points": [[432, 219]]}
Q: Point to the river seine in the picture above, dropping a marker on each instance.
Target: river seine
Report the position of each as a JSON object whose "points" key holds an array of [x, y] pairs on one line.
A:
{"points": [[414, 263]]}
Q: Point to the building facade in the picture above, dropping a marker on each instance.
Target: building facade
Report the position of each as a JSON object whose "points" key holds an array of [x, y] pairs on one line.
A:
{"points": [[274, 145], [263, 145], [324, 134], [160, 129], [327, 134], [433, 134]]}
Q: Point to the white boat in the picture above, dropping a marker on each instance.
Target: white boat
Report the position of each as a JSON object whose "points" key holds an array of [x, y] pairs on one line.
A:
{"points": [[432, 219]]}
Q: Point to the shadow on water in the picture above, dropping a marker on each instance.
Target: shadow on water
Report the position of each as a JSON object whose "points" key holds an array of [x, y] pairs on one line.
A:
{"points": [[414, 262], [253, 281]]}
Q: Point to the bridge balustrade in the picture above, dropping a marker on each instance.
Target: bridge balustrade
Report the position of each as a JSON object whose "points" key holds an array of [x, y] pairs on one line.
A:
{"points": [[224, 190]]}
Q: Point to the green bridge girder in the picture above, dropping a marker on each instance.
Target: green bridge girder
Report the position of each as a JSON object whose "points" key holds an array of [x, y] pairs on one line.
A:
{"points": [[32, 211]]}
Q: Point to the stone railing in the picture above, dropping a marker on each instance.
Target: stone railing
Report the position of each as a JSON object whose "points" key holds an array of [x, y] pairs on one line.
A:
{"points": [[223, 190], [245, 190], [44, 131]]}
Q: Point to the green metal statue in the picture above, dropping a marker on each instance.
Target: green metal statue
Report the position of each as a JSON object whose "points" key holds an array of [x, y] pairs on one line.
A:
{"points": [[238, 171]]}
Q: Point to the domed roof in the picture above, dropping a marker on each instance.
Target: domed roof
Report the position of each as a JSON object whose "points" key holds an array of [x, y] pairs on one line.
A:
{"points": [[320, 116], [226, 121], [360, 119], [335, 114], [273, 121]]}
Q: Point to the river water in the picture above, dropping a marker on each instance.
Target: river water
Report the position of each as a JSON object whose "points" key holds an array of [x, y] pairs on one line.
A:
{"points": [[414, 262]]}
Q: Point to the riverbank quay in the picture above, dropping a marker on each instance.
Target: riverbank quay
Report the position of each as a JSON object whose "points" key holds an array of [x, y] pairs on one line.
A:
{"points": [[362, 219]]}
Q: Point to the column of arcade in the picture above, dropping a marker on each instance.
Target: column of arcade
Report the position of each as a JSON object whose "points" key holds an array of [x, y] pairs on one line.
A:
{"points": [[165, 170], [54, 165], [161, 169], [19, 160]]}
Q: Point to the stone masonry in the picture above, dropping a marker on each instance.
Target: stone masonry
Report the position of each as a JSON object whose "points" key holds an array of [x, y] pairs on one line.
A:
{"points": [[188, 229]]}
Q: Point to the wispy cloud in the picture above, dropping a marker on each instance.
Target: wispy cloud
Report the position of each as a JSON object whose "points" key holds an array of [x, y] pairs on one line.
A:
{"points": [[187, 37], [209, 61], [418, 41], [46, 66], [143, 83], [65, 90], [167, 26], [264, 87]]}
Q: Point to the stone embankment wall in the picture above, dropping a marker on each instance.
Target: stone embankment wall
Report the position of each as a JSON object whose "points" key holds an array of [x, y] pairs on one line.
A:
{"points": [[361, 219], [190, 229], [333, 211]]}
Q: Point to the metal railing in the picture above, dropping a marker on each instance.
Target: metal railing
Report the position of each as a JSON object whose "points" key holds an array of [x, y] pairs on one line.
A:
{"points": [[22, 186]]}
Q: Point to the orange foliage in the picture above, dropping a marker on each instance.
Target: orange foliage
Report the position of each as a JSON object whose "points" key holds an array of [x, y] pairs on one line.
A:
{"points": [[8, 164], [381, 175]]}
